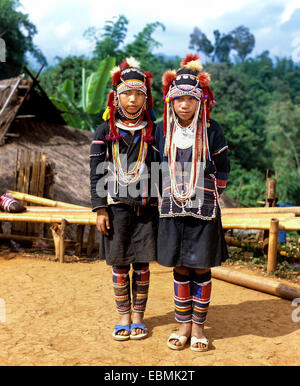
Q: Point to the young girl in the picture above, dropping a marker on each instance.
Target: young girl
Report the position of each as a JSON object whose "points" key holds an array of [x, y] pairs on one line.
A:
{"points": [[121, 154], [195, 171]]}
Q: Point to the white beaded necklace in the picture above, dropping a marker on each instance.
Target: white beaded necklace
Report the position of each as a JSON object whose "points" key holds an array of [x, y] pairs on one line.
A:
{"points": [[183, 138]]}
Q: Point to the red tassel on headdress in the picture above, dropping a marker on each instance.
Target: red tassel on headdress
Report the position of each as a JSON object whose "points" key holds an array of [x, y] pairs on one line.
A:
{"points": [[116, 78], [167, 79], [148, 137], [111, 105]]}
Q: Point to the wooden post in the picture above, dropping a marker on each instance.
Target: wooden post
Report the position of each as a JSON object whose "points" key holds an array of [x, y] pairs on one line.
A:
{"points": [[58, 232], [79, 239], [272, 249], [91, 241]]}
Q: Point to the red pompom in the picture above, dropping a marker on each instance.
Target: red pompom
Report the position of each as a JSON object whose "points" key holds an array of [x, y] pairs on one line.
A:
{"points": [[204, 79], [124, 64], [189, 58]]}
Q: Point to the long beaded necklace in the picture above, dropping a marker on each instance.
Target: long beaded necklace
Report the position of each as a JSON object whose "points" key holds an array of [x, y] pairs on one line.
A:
{"points": [[183, 195], [124, 177]]}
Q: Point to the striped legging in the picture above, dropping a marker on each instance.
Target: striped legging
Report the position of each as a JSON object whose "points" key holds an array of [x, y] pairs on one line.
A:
{"points": [[140, 286], [192, 296]]}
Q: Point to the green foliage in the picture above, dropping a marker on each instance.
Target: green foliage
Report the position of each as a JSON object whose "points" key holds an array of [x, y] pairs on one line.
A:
{"points": [[108, 43], [17, 32], [83, 113]]}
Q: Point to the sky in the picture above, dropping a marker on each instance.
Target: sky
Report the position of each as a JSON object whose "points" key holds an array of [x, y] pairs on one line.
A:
{"points": [[61, 23]]}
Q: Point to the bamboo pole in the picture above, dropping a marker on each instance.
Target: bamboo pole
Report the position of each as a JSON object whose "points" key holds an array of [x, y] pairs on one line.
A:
{"points": [[274, 209], [50, 209], [272, 247], [261, 224], [42, 201], [259, 215], [72, 218], [262, 284]]}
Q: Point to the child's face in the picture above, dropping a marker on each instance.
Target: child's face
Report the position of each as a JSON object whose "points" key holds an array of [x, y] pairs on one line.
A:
{"points": [[132, 101], [185, 107]]}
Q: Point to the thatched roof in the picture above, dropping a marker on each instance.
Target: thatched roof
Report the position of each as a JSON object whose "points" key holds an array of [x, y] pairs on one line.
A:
{"points": [[24, 99], [29, 120]]}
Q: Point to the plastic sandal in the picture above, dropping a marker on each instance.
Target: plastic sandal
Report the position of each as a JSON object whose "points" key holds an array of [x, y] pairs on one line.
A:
{"points": [[141, 327], [182, 339], [203, 341], [120, 327]]}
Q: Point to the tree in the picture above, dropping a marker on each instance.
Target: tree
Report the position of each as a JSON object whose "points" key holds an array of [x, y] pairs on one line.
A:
{"points": [[200, 42], [108, 43], [243, 41], [223, 46], [143, 45], [17, 32]]}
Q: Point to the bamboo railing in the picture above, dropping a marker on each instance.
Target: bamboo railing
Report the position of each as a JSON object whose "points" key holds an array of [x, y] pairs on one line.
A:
{"points": [[57, 213]]}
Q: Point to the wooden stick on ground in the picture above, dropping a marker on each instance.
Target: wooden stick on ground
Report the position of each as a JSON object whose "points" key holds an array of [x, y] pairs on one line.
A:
{"points": [[58, 232]]}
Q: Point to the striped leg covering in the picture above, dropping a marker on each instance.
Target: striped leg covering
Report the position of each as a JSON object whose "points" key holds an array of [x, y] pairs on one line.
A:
{"points": [[182, 297], [201, 291], [121, 285], [140, 286]]}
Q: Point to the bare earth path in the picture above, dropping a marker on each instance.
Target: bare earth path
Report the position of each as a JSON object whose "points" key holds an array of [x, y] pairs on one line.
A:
{"points": [[63, 314]]}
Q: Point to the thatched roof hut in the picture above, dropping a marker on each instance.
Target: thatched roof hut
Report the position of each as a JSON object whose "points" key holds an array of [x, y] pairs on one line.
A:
{"points": [[29, 120]]}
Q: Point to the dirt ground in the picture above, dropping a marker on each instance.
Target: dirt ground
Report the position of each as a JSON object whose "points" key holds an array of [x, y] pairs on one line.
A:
{"points": [[63, 315]]}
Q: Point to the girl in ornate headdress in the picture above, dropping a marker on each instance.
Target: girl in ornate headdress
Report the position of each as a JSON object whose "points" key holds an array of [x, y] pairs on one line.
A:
{"points": [[120, 159], [195, 171]]}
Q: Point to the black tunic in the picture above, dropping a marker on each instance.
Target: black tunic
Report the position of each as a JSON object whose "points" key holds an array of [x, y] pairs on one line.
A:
{"points": [[193, 237], [133, 218]]}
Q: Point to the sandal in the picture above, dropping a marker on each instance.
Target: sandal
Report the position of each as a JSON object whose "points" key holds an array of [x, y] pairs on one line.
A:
{"points": [[141, 327], [182, 339], [204, 341], [120, 327]]}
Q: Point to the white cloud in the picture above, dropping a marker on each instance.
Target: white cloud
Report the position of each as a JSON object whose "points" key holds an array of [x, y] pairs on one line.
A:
{"points": [[37, 9], [289, 9], [263, 32], [63, 29], [61, 23]]}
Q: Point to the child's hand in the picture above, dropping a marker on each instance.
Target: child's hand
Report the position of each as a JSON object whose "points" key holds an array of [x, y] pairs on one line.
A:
{"points": [[103, 221]]}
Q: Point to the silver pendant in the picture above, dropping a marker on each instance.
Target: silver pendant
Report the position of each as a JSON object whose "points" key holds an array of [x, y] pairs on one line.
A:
{"points": [[183, 139]]}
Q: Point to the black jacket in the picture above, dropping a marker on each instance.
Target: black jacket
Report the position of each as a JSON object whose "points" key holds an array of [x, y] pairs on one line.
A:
{"points": [[102, 178]]}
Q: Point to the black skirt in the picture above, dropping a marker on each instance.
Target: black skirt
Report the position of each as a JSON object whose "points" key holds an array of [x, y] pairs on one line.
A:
{"points": [[132, 235], [191, 242]]}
